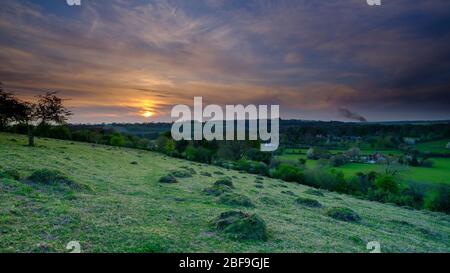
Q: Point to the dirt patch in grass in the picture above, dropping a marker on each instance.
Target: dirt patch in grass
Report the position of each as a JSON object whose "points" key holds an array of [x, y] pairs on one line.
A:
{"points": [[344, 214], [241, 226]]}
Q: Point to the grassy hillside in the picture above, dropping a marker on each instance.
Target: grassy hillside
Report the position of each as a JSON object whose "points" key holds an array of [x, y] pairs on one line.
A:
{"points": [[123, 208]]}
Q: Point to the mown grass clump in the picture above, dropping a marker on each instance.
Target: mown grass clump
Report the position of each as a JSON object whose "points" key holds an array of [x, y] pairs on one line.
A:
{"points": [[190, 169], [343, 214], [207, 174], [268, 201], [181, 174], [225, 181], [241, 226], [288, 193], [10, 173], [311, 203], [58, 180], [50, 177], [314, 192], [234, 199], [217, 190], [168, 179]]}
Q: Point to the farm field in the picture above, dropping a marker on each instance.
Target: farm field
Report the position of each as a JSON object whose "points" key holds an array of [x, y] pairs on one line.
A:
{"points": [[438, 173], [434, 147], [123, 208]]}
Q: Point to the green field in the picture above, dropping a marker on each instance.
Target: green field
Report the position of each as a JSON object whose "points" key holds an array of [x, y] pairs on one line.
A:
{"points": [[126, 209], [439, 173], [434, 147]]}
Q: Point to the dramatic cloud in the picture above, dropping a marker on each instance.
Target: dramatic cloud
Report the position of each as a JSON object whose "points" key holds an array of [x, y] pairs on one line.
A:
{"points": [[118, 59]]}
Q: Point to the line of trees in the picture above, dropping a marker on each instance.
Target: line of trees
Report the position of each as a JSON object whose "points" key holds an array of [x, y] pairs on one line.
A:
{"points": [[48, 109]]}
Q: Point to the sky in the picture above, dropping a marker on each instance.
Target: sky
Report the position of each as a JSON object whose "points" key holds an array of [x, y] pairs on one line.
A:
{"points": [[133, 60]]}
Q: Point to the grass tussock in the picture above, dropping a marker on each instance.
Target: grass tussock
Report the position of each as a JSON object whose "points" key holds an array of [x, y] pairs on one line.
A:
{"points": [[344, 214], [241, 226], [234, 199], [307, 202]]}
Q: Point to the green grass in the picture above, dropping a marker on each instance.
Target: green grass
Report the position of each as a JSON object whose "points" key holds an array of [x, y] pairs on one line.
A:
{"points": [[434, 147], [439, 173], [128, 210]]}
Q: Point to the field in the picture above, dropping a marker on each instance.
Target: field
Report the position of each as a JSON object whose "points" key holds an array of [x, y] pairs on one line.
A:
{"points": [[434, 147], [126, 209], [439, 173]]}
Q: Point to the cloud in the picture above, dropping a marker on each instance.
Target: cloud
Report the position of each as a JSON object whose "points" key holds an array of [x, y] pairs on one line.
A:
{"points": [[307, 57]]}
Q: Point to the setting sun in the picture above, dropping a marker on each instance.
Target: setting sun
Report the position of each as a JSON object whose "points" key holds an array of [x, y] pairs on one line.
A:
{"points": [[147, 114]]}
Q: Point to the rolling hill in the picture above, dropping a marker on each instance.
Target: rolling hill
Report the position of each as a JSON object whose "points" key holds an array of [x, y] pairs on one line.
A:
{"points": [[119, 205]]}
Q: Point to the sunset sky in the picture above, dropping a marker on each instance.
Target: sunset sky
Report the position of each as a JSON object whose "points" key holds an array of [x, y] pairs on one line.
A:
{"points": [[132, 60]]}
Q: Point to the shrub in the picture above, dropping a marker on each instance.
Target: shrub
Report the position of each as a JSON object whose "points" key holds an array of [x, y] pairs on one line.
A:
{"points": [[256, 155], [226, 181], [289, 173], [343, 214], [252, 167], [117, 140], [217, 190], [438, 199], [387, 183], [308, 202], [234, 199], [168, 179], [241, 226], [338, 160], [427, 163], [318, 153]]}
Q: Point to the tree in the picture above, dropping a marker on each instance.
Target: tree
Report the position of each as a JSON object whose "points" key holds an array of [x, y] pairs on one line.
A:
{"points": [[9, 106], [48, 109], [117, 139]]}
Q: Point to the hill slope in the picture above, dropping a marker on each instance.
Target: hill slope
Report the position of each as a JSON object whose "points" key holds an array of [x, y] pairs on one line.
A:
{"points": [[128, 210]]}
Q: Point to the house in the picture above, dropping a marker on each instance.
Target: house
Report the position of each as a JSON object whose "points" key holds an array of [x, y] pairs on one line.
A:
{"points": [[410, 140]]}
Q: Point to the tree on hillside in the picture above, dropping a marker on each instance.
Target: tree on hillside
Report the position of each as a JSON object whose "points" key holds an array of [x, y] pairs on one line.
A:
{"points": [[48, 109], [8, 107]]}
